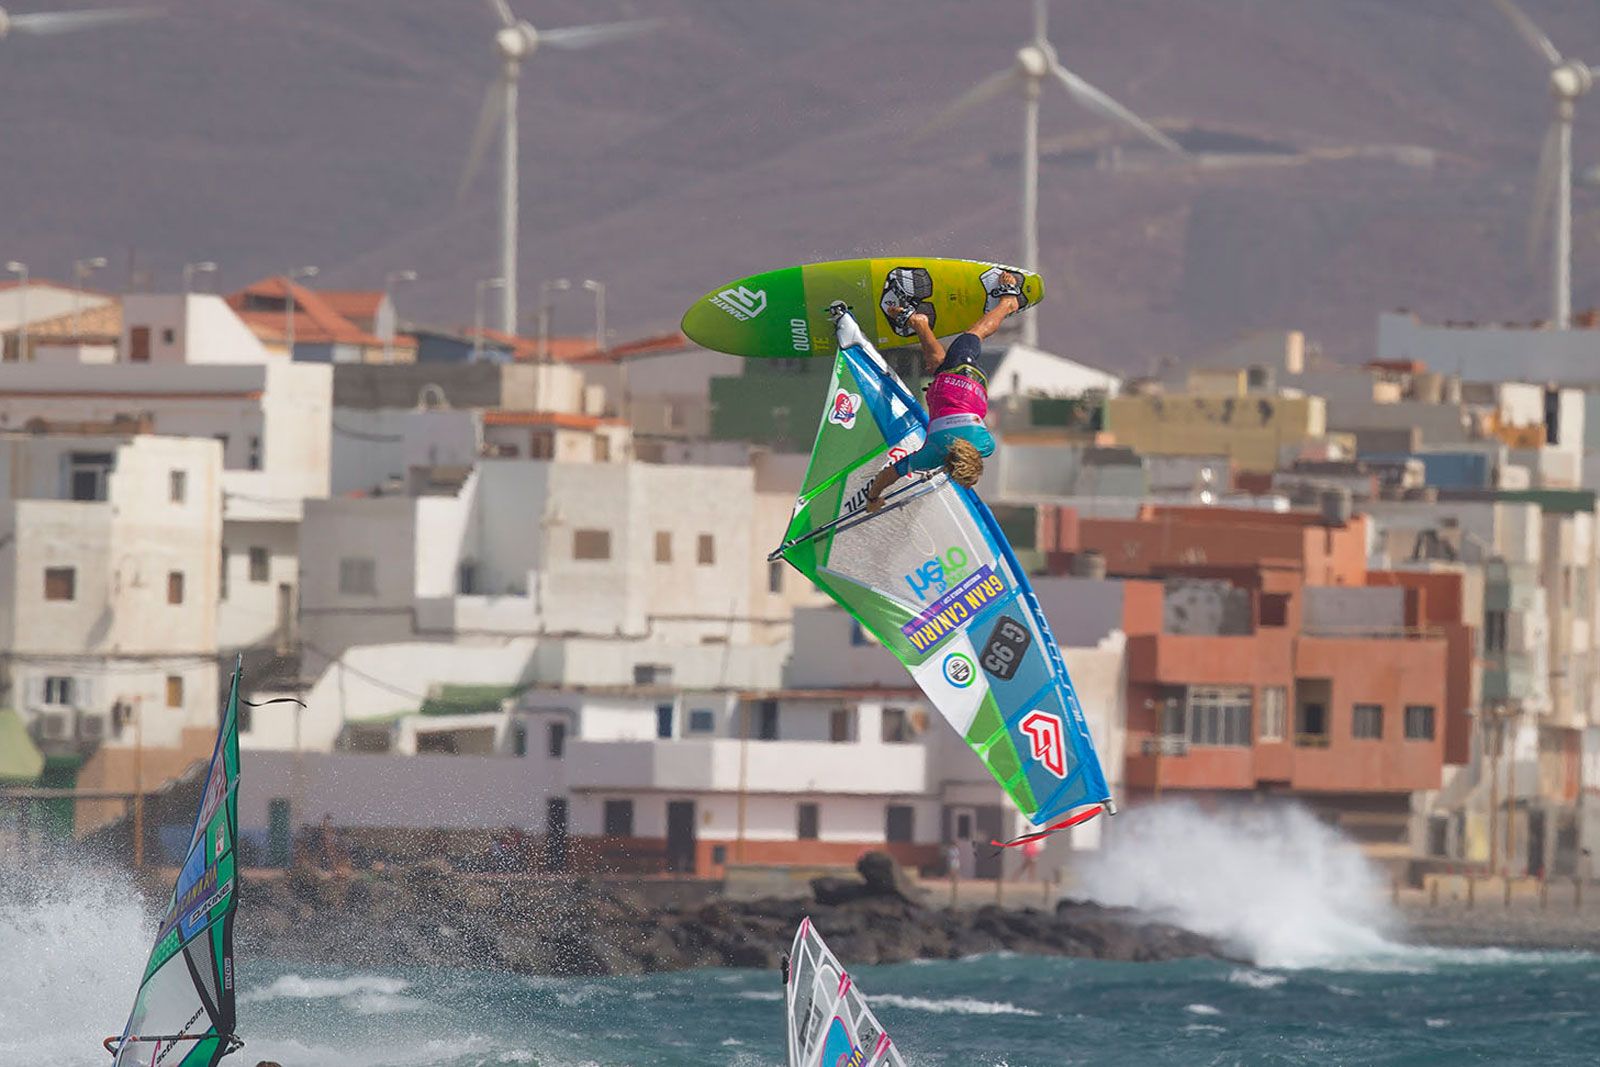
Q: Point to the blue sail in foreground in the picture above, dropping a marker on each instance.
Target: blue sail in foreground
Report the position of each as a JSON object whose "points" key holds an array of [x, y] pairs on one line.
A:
{"points": [[183, 1014]]}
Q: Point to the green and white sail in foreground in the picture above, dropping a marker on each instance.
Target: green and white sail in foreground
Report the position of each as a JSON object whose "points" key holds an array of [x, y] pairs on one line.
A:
{"points": [[933, 578], [183, 1015]]}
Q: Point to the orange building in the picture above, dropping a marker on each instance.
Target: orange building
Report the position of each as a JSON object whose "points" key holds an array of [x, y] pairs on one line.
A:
{"points": [[1263, 657]]}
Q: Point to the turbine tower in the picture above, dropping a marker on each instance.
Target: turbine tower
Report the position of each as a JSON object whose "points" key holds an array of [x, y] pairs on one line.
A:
{"points": [[514, 42], [1036, 64], [1569, 79], [47, 23]]}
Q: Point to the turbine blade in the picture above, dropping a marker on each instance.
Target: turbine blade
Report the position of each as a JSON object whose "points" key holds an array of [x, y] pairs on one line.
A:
{"points": [[1040, 14], [43, 24], [1530, 32], [1544, 192], [503, 11], [571, 37], [1097, 101], [489, 118], [981, 93]]}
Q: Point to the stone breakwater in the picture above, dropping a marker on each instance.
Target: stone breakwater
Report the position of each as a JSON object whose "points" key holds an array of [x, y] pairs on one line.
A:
{"points": [[431, 915]]}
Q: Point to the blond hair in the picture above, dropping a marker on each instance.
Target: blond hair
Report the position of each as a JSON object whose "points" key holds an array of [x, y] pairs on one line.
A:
{"points": [[963, 463]]}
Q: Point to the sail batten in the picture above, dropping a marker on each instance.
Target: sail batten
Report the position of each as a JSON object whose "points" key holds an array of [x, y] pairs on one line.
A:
{"points": [[934, 578], [184, 1011]]}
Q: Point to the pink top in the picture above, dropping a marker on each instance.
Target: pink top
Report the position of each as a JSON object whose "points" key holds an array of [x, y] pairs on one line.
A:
{"points": [[956, 394]]}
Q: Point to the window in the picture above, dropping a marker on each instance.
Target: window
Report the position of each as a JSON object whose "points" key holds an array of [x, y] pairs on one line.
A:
{"points": [[222, 439], [1219, 715], [591, 544], [139, 344], [260, 564], [1366, 723], [168, 336], [842, 725], [178, 486], [702, 721], [896, 726], [1312, 729], [663, 546], [619, 818], [358, 576], [1494, 631], [767, 720], [898, 822], [1274, 705], [174, 587], [555, 740], [652, 674], [858, 634], [60, 583], [602, 449], [222, 576], [519, 739], [1274, 609], [807, 820], [775, 577], [1419, 722], [174, 690], [87, 475], [1172, 720], [253, 460], [58, 691], [706, 550], [664, 720]]}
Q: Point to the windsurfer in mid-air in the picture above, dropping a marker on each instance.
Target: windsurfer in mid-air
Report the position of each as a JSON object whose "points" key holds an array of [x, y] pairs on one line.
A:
{"points": [[958, 398]]}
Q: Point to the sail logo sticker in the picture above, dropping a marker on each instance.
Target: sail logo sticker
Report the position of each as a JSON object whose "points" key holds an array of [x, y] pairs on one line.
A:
{"points": [[742, 303], [953, 610], [1047, 739], [843, 410], [958, 670]]}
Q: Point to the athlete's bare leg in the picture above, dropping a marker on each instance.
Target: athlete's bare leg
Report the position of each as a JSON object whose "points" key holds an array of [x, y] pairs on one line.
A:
{"points": [[1007, 305]]}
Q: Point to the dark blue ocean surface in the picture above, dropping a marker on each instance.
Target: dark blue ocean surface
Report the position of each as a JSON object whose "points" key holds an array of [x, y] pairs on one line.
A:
{"points": [[1422, 1007]]}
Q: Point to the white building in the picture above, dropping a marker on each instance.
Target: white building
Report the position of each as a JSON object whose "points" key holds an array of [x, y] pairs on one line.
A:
{"points": [[109, 549], [632, 552], [188, 365], [1485, 352]]}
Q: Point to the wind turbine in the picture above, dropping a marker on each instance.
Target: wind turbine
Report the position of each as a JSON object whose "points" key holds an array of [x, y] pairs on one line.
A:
{"points": [[1569, 79], [46, 23], [514, 42], [1036, 64]]}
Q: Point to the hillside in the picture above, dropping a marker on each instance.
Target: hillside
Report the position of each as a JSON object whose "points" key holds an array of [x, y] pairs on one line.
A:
{"points": [[754, 133]]}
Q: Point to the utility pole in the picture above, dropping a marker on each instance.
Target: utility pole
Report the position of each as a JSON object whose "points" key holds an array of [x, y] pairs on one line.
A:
{"points": [[138, 782]]}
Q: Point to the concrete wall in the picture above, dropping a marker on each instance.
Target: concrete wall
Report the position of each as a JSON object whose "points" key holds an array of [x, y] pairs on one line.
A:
{"points": [[421, 792], [372, 447]]}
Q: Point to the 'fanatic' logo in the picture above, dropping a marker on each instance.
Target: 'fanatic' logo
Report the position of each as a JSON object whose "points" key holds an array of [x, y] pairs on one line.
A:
{"points": [[1048, 740], [741, 303]]}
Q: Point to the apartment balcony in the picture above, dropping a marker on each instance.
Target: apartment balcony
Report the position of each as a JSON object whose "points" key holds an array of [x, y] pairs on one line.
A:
{"points": [[717, 765], [1304, 763], [1208, 659]]}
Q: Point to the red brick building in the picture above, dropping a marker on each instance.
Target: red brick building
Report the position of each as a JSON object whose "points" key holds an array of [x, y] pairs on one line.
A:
{"points": [[1263, 657]]}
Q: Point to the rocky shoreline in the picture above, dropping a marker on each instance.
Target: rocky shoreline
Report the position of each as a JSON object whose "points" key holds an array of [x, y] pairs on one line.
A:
{"points": [[431, 915]]}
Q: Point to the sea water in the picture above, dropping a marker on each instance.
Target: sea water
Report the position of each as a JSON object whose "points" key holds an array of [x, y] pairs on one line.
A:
{"points": [[1323, 977]]}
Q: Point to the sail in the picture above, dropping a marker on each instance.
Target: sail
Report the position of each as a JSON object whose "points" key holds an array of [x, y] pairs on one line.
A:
{"points": [[829, 1022], [183, 1015], [934, 579]]}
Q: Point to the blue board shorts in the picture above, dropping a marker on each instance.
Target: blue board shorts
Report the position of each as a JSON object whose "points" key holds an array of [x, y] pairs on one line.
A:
{"points": [[956, 427]]}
